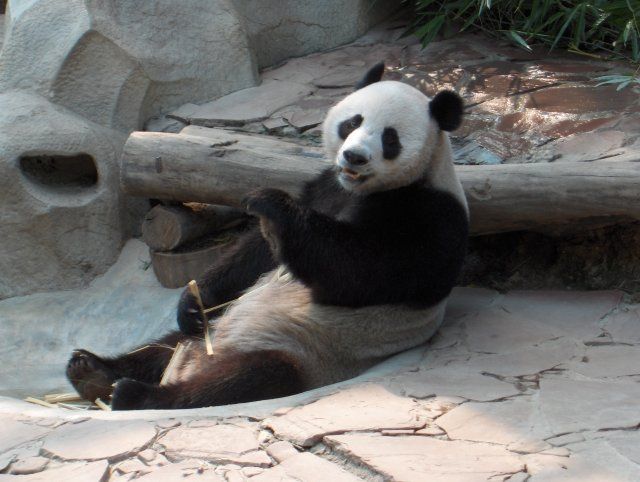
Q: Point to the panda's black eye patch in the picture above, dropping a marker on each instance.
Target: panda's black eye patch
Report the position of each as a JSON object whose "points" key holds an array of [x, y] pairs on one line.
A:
{"points": [[390, 143], [348, 126]]}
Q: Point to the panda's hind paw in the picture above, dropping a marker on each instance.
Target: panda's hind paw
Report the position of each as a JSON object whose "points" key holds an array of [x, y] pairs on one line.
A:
{"points": [[90, 376]]}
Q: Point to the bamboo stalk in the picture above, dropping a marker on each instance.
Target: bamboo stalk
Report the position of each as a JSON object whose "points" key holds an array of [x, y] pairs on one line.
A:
{"points": [[37, 401], [175, 359], [62, 397], [193, 289], [102, 405]]}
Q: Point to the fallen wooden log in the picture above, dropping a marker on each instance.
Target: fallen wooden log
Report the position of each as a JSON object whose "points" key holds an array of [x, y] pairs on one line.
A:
{"points": [[213, 165], [167, 227], [217, 166]]}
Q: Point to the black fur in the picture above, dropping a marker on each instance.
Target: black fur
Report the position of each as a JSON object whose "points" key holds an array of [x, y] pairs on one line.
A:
{"points": [[391, 146], [447, 109], [372, 76], [226, 379], [346, 127], [400, 246]]}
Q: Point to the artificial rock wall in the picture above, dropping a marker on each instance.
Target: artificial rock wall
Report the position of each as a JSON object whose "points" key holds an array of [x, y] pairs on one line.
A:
{"points": [[76, 76]]}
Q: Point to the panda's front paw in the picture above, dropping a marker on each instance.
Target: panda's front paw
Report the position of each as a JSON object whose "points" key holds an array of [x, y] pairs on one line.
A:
{"points": [[272, 204], [190, 318]]}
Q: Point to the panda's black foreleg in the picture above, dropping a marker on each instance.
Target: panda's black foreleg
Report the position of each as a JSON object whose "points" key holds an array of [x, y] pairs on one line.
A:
{"points": [[93, 376], [229, 378], [238, 269]]}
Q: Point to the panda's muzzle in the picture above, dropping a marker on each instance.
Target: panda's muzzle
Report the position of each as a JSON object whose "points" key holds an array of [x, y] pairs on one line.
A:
{"points": [[351, 165]]}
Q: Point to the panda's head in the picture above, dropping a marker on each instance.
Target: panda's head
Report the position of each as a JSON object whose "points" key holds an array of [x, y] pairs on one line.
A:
{"points": [[383, 135]]}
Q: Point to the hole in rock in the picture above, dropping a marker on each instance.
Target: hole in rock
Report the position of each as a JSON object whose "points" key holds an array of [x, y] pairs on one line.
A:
{"points": [[60, 173]]}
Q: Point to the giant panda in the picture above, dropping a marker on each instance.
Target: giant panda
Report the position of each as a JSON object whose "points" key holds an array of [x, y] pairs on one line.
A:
{"points": [[326, 284]]}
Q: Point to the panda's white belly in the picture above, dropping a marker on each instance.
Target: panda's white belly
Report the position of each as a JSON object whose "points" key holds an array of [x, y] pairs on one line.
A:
{"points": [[331, 343]]}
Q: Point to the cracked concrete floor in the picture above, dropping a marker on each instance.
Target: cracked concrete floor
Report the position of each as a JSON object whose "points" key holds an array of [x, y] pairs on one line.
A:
{"points": [[522, 386]]}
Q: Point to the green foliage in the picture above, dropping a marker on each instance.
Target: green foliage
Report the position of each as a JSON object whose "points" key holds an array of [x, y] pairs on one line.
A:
{"points": [[622, 80], [602, 28]]}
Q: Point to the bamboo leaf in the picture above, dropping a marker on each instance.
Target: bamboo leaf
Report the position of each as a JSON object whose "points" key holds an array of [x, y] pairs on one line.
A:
{"points": [[515, 36]]}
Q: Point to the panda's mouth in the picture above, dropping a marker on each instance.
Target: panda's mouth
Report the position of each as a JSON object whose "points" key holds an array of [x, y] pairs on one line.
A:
{"points": [[352, 175]]}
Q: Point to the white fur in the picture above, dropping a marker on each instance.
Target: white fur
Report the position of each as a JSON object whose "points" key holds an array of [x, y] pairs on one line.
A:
{"points": [[331, 343]]}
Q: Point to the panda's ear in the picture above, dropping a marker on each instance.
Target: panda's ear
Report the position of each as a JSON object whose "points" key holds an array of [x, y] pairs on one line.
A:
{"points": [[447, 109], [372, 76]]}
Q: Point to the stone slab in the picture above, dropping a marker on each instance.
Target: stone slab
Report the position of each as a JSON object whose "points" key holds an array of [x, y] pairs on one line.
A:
{"points": [[425, 458], [574, 405], [530, 360], [29, 465], [595, 461], [98, 439], [456, 381], [281, 450], [499, 330], [192, 470], [72, 472], [364, 407], [626, 443], [249, 105], [624, 326], [572, 313], [15, 433], [607, 361], [220, 444], [513, 423], [305, 467]]}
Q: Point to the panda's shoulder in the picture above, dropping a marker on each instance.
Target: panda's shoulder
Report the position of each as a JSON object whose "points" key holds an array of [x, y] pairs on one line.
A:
{"points": [[418, 202]]}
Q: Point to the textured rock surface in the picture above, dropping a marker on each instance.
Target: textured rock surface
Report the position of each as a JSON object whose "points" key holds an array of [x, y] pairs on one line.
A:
{"points": [[74, 472], [219, 443], [127, 299], [16, 433], [98, 439], [60, 223], [191, 469], [117, 63], [307, 467], [248, 105], [281, 29], [424, 458], [359, 408]]}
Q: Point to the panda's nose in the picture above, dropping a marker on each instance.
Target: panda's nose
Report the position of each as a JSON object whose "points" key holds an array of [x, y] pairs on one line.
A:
{"points": [[355, 158]]}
